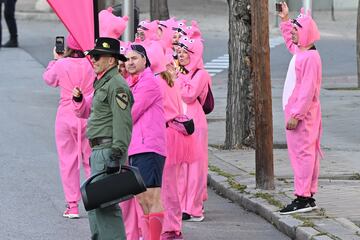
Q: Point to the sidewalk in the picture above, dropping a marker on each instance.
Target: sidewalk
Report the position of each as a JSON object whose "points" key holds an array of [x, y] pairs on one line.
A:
{"points": [[232, 173]]}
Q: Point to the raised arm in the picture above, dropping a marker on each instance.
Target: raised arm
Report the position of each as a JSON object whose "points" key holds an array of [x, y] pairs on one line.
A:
{"points": [[191, 89]]}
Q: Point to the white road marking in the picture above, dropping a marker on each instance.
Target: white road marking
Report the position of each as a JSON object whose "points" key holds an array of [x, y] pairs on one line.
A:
{"points": [[218, 65]]}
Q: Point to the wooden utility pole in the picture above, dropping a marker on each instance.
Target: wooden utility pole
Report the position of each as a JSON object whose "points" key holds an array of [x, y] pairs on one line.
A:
{"points": [[262, 94], [358, 44]]}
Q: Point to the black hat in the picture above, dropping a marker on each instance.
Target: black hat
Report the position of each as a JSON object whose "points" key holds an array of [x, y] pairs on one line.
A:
{"points": [[105, 45], [141, 50]]}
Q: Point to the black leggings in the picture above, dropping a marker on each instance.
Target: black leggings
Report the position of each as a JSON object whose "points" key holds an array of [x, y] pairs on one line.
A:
{"points": [[9, 13]]}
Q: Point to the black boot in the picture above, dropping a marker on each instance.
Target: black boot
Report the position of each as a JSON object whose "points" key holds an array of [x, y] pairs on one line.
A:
{"points": [[12, 43]]}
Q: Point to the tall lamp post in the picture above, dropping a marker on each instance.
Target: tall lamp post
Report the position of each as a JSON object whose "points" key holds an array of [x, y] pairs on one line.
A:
{"points": [[307, 5], [129, 11]]}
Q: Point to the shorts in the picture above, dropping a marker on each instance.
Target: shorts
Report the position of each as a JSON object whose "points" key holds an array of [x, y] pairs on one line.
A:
{"points": [[151, 167]]}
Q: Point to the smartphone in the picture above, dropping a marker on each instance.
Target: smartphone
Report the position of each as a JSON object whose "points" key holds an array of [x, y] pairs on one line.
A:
{"points": [[59, 45], [278, 7]]}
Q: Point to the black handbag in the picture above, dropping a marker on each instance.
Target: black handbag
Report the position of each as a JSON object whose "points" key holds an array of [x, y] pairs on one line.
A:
{"points": [[112, 188], [182, 124]]}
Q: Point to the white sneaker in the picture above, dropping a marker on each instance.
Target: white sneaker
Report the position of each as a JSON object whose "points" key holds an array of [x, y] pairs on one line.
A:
{"points": [[195, 219]]}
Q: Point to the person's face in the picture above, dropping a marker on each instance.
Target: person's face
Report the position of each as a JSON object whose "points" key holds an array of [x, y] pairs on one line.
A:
{"points": [[175, 40], [140, 34], [183, 56], [102, 62], [294, 35], [122, 69], [135, 64]]}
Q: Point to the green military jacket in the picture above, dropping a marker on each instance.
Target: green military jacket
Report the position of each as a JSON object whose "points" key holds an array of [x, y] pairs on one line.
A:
{"points": [[111, 111]]}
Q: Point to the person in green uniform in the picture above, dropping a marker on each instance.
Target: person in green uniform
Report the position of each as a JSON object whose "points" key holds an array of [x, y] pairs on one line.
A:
{"points": [[108, 130]]}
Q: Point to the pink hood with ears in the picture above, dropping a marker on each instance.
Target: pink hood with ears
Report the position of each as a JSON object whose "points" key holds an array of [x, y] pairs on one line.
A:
{"points": [[167, 32], [195, 50], [308, 33], [181, 24], [111, 25], [193, 31], [124, 46], [72, 43], [150, 29], [156, 56]]}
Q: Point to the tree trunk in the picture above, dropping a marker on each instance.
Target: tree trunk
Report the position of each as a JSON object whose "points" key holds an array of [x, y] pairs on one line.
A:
{"points": [[262, 94], [159, 10], [240, 122], [358, 44]]}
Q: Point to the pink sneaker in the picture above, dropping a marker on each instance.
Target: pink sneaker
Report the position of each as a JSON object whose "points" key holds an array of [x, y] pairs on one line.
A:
{"points": [[171, 236], [72, 211]]}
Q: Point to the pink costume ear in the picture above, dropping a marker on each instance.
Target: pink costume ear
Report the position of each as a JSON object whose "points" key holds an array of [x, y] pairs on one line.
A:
{"points": [[110, 9], [308, 12], [302, 10], [194, 24], [125, 18]]}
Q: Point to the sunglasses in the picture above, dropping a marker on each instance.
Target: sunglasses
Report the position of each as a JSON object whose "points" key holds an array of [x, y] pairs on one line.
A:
{"points": [[96, 57]]}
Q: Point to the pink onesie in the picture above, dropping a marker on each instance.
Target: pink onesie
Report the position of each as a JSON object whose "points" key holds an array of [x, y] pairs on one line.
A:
{"points": [[72, 144], [193, 89], [303, 103]]}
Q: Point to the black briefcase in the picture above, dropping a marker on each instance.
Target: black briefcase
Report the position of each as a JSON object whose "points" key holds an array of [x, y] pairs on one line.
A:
{"points": [[112, 188]]}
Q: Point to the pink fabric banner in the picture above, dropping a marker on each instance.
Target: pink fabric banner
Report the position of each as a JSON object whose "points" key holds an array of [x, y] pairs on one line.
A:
{"points": [[78, 18]]}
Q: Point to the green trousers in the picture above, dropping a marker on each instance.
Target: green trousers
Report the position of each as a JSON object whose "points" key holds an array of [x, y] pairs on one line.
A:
{"points": [[105, 223]]}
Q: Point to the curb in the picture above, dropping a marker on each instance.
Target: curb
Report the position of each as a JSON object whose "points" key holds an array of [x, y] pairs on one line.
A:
{"points": [[295, 226]]}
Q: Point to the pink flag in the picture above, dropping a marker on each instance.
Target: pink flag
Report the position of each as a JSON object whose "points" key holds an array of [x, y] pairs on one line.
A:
{"points": [[78, 18]]}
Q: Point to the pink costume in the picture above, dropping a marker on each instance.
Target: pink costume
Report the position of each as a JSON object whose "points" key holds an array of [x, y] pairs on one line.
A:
{"points": [[167, 27], [150, 29], [194, 88], [152, 44], [302, 102], [178, 148], [111, 25], [72, 145], [147, 135]]}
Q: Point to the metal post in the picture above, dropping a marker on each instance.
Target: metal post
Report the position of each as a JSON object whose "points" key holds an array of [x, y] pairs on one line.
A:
{"points": [[307, 5], [129, 11], [96, 19]]}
